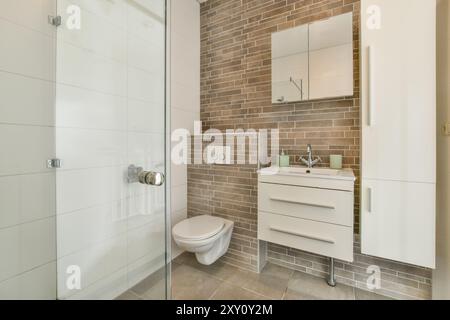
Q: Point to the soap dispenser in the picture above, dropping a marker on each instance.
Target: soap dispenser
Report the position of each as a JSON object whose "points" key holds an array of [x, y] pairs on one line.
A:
{"points": [[284, 160]]}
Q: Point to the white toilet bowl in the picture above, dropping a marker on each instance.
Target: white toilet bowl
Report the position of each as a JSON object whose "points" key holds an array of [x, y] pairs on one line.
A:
{"points": [[206, 236]]}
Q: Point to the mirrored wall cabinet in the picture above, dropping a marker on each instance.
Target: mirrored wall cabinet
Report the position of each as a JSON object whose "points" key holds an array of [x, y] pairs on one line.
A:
{"points": [[313, 61]]}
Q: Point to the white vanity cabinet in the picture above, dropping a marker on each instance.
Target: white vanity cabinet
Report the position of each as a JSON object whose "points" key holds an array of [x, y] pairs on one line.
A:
{"points": [[311, 211], [398, 103]]}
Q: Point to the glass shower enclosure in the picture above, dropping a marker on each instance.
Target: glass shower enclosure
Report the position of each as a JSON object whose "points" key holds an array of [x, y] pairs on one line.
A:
{"points": [[85, 215]]}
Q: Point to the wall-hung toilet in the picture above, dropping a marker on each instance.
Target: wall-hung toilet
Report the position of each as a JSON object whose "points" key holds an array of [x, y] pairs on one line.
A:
{"points": [[206, 236]]}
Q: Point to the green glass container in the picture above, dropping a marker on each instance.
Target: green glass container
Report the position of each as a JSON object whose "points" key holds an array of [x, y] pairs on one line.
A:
{"points": [[284, 160]]}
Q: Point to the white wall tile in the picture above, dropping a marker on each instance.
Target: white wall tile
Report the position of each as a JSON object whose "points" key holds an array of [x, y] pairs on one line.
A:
{"points": [[31, 14], [81, 108], [113, 11], [96, 34], [36, 51], [146, 150], [82, 68], [107, 288], [80, 148], [25, 149], [144, 204], [146, 116], [145, 86], [96, 262], [145, 24], [151, 6], [27, 246], [146, 55], [139, 269], [81, 229], [147, 240], [26, 101], [94, 82], [25, 198], [80, 189], [36, 284]]}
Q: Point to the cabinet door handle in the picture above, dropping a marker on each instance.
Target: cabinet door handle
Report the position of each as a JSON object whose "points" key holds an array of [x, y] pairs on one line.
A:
{"points": [[298, 234], [310, 204], [371, 85], [370, 199]]}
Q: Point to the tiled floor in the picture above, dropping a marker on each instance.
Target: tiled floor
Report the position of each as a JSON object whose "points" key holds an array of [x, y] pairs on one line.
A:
{"points": [[193, 281]]}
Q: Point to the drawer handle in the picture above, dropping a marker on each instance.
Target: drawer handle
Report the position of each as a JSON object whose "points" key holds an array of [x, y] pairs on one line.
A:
{"points": [[302, 235], [310, 204]]}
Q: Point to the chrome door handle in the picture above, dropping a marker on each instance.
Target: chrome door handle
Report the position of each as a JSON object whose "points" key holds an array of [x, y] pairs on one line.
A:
{"points": [[137, 174], [151, 178]]}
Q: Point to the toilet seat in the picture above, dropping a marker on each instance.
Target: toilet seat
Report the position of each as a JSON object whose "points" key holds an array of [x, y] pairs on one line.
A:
{"points": [[198, 228]]}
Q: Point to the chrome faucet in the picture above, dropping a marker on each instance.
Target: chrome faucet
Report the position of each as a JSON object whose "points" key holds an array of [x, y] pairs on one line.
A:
{"points": [[310, 162]]}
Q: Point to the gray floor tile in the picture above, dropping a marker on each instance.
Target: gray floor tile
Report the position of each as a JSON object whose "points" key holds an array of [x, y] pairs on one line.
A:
{"points": [[153, 287], [271, 282], [309, 287], [366, 295], [277, 271], [218, 269], [191, 284], [220, 281], [295, 295], [129, 295], [228, 291], [184, 258]]}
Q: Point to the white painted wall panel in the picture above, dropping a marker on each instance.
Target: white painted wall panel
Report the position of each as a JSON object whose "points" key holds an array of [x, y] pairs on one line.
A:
{"points": [[185, 92]]}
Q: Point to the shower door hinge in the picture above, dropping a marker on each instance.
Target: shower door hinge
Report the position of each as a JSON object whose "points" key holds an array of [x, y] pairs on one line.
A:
{"points": [[54, 163], [55, 21]]}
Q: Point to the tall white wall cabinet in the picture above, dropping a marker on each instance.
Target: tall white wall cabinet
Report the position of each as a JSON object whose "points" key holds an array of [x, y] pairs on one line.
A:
{"points": [[398, 49]]}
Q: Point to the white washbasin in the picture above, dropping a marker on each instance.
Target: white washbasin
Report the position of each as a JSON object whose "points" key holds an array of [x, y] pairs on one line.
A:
{"points": [[324, 173]]}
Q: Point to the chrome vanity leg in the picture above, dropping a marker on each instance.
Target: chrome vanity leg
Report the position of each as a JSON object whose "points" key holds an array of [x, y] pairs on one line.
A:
{"points": [[331, 279]]}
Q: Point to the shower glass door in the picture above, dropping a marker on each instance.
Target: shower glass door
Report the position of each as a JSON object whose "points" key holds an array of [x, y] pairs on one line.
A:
{"points": [[110, 125]]}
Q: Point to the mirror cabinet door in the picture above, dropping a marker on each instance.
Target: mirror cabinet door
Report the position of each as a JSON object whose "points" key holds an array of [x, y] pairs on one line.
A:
{"points": [[290, 65], [313, 61], [331, 57]]}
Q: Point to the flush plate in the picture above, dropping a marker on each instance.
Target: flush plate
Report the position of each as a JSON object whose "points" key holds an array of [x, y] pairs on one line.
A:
{"points": [[218, 154]]}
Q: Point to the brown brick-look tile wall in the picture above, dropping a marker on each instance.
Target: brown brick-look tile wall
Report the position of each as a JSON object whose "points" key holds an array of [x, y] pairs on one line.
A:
{"points": [[236, 94]]}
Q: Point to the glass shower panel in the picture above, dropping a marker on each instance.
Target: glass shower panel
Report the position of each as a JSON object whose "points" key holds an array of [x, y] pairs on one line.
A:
{"points": [[110, 124]]}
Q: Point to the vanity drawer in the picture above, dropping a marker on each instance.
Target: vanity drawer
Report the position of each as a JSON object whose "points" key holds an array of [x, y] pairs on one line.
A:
{"points": [[306, 235], [323, 205]]}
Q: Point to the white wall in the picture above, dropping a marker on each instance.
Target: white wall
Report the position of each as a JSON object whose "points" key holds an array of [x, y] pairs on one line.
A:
{"points": [[185, 91], [27, 187], [441, 276]]}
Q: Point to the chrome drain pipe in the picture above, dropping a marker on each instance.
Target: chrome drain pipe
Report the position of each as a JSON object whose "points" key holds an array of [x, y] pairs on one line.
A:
{"points": [[331, 278]]}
